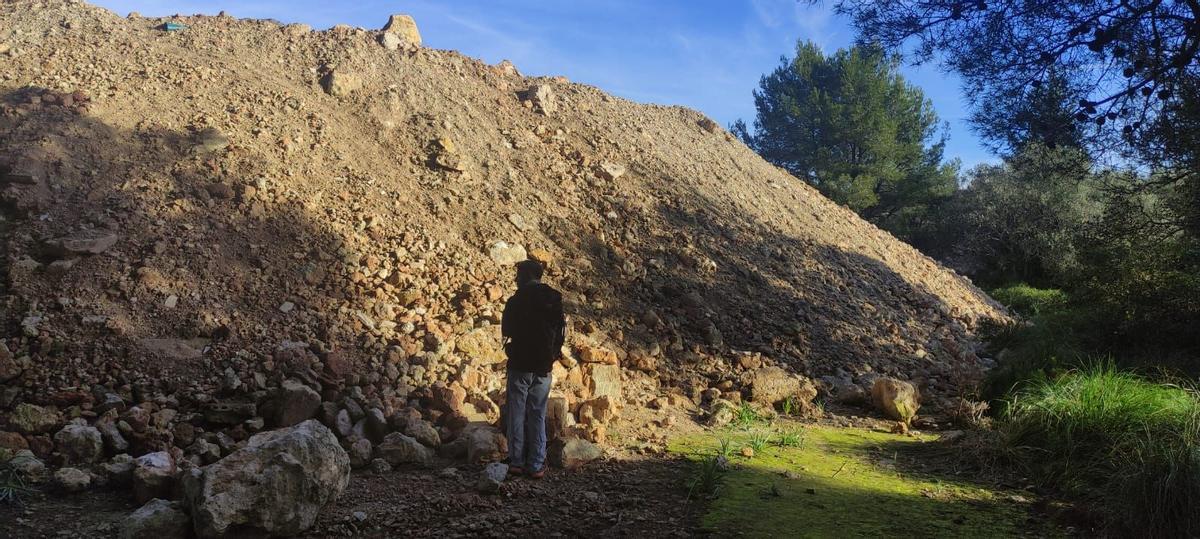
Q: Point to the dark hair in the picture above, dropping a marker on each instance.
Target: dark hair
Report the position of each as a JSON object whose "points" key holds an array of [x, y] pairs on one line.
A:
{"points": [[529, 270]]}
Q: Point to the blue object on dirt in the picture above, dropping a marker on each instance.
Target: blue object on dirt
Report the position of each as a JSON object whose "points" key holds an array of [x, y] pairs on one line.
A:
{"points": [[173, 26]]}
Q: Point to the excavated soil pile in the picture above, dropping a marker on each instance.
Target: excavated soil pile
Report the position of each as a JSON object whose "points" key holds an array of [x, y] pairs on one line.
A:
{"points": [[194, 215]]}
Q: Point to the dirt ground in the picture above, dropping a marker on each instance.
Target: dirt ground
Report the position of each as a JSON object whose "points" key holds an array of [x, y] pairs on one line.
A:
{"points": [[621, 497]]}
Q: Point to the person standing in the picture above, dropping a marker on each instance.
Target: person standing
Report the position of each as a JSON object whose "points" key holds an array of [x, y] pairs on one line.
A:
{"points": [[534, 328]]}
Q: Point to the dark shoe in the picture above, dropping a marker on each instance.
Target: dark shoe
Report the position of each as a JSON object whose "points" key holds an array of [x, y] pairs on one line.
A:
{"points": [[515, 470], [538, 474]]}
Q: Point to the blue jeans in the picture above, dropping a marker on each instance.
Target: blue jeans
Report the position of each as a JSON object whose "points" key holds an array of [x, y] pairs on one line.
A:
{"points": [[526, 404]]}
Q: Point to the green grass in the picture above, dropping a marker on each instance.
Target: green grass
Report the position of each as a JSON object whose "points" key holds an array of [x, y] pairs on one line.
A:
{"points": [[1117, 441], [706, 478], [12, 487], [848, 483], [1029, 301], [790, 439], [745, 416], [758, 441]]}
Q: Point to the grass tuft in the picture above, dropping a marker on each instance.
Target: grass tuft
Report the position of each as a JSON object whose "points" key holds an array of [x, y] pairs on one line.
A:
{"points": [[745, 416], [706, 479], [793, 438], [1117, 440], [759, 440], [12, 487]]}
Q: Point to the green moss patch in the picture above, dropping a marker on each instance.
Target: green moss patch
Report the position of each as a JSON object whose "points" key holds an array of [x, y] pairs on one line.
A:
{"points": [[846, 483]]}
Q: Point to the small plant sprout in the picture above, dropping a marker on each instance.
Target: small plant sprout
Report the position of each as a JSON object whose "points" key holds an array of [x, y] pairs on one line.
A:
{"points": [[724, 447], [790, 439], [746, 416], [706, 479], [759, 440]]}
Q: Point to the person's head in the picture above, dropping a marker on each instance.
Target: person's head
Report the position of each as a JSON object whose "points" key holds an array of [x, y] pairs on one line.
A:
{"points": [[528, 271]]}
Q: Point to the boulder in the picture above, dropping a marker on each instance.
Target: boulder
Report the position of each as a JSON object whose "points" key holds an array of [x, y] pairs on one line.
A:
{"points": [[481, 346], [12, 441], [27, 465], [491, 477], [483, 444], [32, 419], [72, 480], [541, 98], [404, 28], [80, 444], [610, 171], [84, 242], [276, 485], [157, 519], [772, 385], [153, 476], [118, 472], [113, 439], [506, 254], [9, 368], [360, 452], [572, 452], [604, 380], [424, 432], [897, 399], [450, 398], [398, 449], [340, 83], [558, 418], [291, 403]]}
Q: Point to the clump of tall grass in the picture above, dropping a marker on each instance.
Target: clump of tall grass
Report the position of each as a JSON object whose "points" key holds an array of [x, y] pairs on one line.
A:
{"points": [[1118, 440]]}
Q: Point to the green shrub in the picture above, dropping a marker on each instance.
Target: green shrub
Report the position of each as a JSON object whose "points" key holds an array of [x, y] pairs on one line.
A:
{"points": [[1116, 440], [1029, 301]]}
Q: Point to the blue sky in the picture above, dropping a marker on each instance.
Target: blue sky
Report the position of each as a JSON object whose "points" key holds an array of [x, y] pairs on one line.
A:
{"points": [[703, 54]]}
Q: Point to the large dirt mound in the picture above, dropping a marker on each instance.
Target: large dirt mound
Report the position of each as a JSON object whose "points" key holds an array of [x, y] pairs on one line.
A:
{"points": [[207, 211]]}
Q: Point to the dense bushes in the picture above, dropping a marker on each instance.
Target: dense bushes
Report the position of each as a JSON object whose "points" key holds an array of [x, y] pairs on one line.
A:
{"points": [[1129, 445]]}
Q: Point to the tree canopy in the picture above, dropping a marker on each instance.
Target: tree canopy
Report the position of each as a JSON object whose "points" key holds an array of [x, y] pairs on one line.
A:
{"points": [[850, 125]]}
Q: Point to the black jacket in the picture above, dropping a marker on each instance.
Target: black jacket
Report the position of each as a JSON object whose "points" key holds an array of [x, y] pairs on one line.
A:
{"points": [[534, 322]]}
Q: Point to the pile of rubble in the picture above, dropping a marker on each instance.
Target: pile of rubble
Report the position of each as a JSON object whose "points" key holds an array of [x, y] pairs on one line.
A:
{"points": [[223, 227]]}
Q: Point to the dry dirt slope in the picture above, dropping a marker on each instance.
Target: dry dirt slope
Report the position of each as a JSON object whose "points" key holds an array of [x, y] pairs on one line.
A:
{"points": [[250, 206]]}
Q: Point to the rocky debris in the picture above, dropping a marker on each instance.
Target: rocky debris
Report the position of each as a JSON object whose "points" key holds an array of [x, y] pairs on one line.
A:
{"points": [[276, 484], [397, 449], [27, 465], [404, 28], [80, 444], [122, 223], [540, 97], [292, 403], [897, 399], [772, 385], [72, 480], [153, 476], [445, 155], [572, 452], [610, 171], [491, 477], [339, 83], [156, 519], [9, 368], [84, 242], [380, 466], [33, 419], [506, 254]]}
